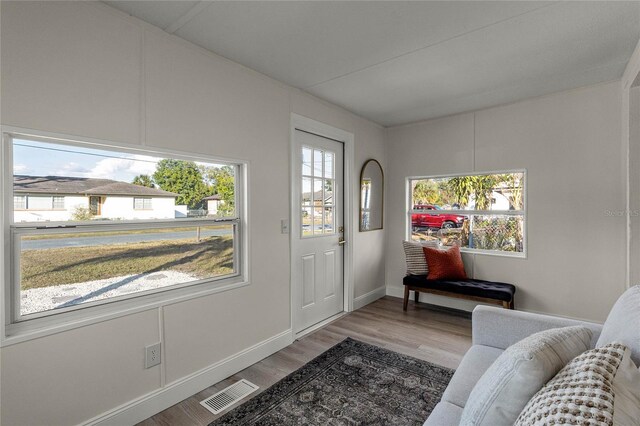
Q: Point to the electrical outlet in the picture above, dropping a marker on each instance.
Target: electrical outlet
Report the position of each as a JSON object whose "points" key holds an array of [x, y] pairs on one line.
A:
{"points": [[152, 355]]}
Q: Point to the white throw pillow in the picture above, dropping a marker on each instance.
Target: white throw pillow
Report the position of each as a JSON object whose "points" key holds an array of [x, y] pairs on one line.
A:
{"points": [[414, 255], [519, 372], [600, 386], [623, 323]]}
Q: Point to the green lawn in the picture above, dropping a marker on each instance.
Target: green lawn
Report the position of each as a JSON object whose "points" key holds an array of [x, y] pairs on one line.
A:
{"points": [[212, 256]]}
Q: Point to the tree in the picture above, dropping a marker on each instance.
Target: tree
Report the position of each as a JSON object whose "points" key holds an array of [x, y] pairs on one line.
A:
{"points": [[221, 181], [143, 180], [479, 187], [183, 178]]}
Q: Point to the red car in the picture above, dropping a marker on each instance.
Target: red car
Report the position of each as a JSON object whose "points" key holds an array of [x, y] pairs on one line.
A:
{"points": [[431, 219]]}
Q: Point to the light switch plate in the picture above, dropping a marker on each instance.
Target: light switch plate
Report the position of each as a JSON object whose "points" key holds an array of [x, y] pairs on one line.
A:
{"points": [[284, 226]]}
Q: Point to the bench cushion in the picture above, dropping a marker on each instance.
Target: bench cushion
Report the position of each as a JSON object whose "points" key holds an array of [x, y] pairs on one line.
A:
{"points": [[469, 287]]}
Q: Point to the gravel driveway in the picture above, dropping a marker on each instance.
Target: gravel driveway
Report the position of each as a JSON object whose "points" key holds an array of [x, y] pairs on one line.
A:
{"points": [[47, 298]]}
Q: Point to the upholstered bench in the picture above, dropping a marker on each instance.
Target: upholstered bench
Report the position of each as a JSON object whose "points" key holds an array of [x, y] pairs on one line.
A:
{"points": [[477, 290]]}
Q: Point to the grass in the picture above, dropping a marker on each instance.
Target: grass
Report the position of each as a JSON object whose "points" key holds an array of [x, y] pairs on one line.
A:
{"points": [[211, 256]]}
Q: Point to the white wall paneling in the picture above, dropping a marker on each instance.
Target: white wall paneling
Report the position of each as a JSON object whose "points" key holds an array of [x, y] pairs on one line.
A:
{"points": [[569, 143], [80, 68]]}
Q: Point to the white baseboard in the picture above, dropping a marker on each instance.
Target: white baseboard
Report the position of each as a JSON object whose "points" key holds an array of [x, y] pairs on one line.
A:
{"points": [[370, 297], [161, 399], [395, 291]]}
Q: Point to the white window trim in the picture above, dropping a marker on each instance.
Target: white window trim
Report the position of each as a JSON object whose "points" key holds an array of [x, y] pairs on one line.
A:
{"points": [[16, 332], [409, 211]]}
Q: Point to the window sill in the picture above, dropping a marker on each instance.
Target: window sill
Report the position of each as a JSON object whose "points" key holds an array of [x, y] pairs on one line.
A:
{"points": [[495, 253], [42, 327]]}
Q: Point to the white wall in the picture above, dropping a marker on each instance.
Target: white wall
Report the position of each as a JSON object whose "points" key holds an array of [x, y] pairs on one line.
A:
{"points": [[570, 145], [81, 68], [630, 85], [121, 207]]}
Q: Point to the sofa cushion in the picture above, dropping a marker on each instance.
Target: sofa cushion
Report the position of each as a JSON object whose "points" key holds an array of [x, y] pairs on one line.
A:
{"points": [[600, 386], [475, 362], [519, 372], [444, 414], [623, 323], [470, 287]]}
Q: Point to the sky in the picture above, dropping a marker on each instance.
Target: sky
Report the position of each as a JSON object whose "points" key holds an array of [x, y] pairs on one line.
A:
{"points": [[47, 159]]}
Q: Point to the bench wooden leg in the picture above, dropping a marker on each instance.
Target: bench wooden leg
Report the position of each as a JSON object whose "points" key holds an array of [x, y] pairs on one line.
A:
{"points": [[416, 296], [406, 297], [508, 305]]}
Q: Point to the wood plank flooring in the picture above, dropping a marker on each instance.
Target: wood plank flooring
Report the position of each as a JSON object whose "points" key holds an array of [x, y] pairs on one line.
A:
{"points": [[432, 335]]}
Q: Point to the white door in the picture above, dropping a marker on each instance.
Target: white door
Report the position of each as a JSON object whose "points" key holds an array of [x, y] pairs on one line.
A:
{"points": [[317, 270]]}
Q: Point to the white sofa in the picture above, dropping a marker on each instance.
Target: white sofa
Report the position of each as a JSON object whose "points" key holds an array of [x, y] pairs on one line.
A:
{"points": [[494, 329]]}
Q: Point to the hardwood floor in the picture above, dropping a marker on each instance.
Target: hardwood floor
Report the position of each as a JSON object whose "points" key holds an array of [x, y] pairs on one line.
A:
{"points": [[422, 332]]}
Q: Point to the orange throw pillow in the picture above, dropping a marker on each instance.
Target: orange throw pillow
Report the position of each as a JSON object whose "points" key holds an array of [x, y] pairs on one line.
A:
{"points": [[444, 264]]}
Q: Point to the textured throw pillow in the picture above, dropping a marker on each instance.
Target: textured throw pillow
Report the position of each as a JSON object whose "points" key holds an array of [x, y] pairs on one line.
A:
{"points": [[416, 263], [444, 264], [623, 323], [521, 371], [599, 387]]}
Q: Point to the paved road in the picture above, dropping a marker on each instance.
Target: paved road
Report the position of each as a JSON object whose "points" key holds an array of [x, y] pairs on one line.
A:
{"points": [[117, 239]]}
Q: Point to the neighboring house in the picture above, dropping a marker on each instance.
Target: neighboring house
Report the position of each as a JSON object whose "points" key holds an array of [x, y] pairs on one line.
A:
{"points": [[498, 201], [317, 198], [56, 198], [213, 204]]}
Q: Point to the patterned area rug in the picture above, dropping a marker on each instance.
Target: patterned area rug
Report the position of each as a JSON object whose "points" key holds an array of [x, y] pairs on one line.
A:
{"points": [[352, 383]]}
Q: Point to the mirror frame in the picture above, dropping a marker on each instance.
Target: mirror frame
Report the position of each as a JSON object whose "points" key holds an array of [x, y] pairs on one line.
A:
{"points": [[364, 166]]}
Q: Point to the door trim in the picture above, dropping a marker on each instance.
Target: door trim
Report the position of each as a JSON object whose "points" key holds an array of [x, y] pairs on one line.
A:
{"points": [[321, 129]]}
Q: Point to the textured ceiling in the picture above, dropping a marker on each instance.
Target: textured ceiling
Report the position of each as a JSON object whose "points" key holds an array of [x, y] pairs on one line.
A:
{"points": [[396, 62]]}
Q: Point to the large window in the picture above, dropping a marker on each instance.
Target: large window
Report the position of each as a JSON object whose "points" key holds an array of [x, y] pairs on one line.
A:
{"points": [[92, 224], [480, 212]]}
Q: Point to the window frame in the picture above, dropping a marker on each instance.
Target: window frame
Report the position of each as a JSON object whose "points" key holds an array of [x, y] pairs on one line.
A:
{"points": [[143, 203], [16, 329], [409, 211]]}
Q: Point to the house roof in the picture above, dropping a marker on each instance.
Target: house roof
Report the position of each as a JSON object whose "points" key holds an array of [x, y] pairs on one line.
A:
{"points": [[317, 196], [213, 197], [84, 186]]}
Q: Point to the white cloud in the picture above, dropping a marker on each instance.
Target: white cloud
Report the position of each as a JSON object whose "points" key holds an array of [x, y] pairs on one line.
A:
{"points": [[123, 168], [72, 169], [19, 168]]}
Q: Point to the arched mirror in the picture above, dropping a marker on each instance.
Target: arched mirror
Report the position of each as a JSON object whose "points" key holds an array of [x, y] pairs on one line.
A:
{"points": [[371, 196]]}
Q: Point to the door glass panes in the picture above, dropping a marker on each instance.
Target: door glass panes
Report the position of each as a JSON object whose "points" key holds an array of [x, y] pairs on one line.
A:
{"points": [[317, 192], [318, 188], [328, 220], [328, 191], [306, 161], [328, 164], [317, 162], [306, 190]]}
